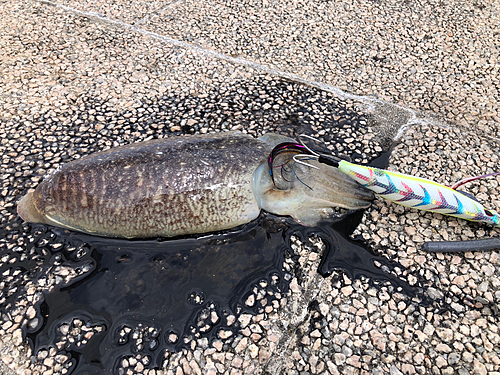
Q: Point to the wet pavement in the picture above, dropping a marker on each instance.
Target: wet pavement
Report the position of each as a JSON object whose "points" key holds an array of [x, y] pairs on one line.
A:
{"points": [[83, 76]]}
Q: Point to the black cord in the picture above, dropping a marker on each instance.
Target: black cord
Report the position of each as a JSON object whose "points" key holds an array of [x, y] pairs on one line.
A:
{"points": [[328, 161], [486, 244]]}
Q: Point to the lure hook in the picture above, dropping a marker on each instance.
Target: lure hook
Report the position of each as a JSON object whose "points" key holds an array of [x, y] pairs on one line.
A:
{"points": [[281, 148]]}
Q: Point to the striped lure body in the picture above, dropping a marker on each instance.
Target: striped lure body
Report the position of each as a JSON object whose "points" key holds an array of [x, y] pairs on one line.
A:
{"points": [[419, 193]]}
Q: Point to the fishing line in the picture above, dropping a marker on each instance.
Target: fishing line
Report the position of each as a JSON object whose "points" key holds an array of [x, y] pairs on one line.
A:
{"points": [[470, 179]]}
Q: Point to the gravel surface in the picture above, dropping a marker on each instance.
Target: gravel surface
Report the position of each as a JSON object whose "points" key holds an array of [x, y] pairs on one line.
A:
{"points": [[133, 13], [86, 76], [441, 57]]}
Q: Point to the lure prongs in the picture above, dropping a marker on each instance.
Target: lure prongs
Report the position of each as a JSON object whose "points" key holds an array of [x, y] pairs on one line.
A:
{"points": [[281, 148], [299, 159], [288, 147]]}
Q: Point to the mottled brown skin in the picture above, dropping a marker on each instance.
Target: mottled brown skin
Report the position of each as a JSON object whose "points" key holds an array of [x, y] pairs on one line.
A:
{"points": [[169, 187], [187, 185]]}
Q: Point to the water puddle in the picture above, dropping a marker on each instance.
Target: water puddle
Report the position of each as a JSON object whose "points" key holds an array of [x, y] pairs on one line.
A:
{"points": [[101, 302], [114, 300]]}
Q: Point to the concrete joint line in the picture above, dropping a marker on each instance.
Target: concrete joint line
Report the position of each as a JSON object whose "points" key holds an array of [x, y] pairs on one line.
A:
{"points": [[369, 102], [281, 353], [157, 12]]}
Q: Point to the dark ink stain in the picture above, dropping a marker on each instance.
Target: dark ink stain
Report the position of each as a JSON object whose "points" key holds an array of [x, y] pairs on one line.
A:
{"points": [[148, 296]]}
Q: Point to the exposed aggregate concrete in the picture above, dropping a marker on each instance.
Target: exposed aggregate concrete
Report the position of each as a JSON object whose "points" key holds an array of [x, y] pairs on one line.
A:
{"points": [[441, 57], [73, 85], [133, 13]]}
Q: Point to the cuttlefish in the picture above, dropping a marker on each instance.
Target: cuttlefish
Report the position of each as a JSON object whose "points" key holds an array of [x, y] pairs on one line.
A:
{"points": [[187, 185]]}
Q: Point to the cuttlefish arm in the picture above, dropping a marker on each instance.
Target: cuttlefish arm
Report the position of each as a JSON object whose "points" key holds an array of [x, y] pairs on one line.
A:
{"points": [[309, 195]]}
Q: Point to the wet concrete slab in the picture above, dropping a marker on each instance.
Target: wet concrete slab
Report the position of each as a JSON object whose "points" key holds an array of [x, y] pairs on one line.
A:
{"points": [[79, 77]]}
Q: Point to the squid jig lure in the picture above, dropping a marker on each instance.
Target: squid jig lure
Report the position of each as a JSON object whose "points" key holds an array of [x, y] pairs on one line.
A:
{"points": [[419, 193], [406, 190]]}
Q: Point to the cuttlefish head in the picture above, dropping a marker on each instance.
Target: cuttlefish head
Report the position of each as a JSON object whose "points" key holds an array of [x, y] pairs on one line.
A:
{"points": [[307, 194]]}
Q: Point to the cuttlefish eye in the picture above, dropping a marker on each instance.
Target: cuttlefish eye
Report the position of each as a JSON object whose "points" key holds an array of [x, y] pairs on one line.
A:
{"points": [[489, 213]]}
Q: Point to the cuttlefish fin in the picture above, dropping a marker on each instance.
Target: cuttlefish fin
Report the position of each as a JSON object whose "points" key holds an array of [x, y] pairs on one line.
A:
{"points": [[27, 210]]}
